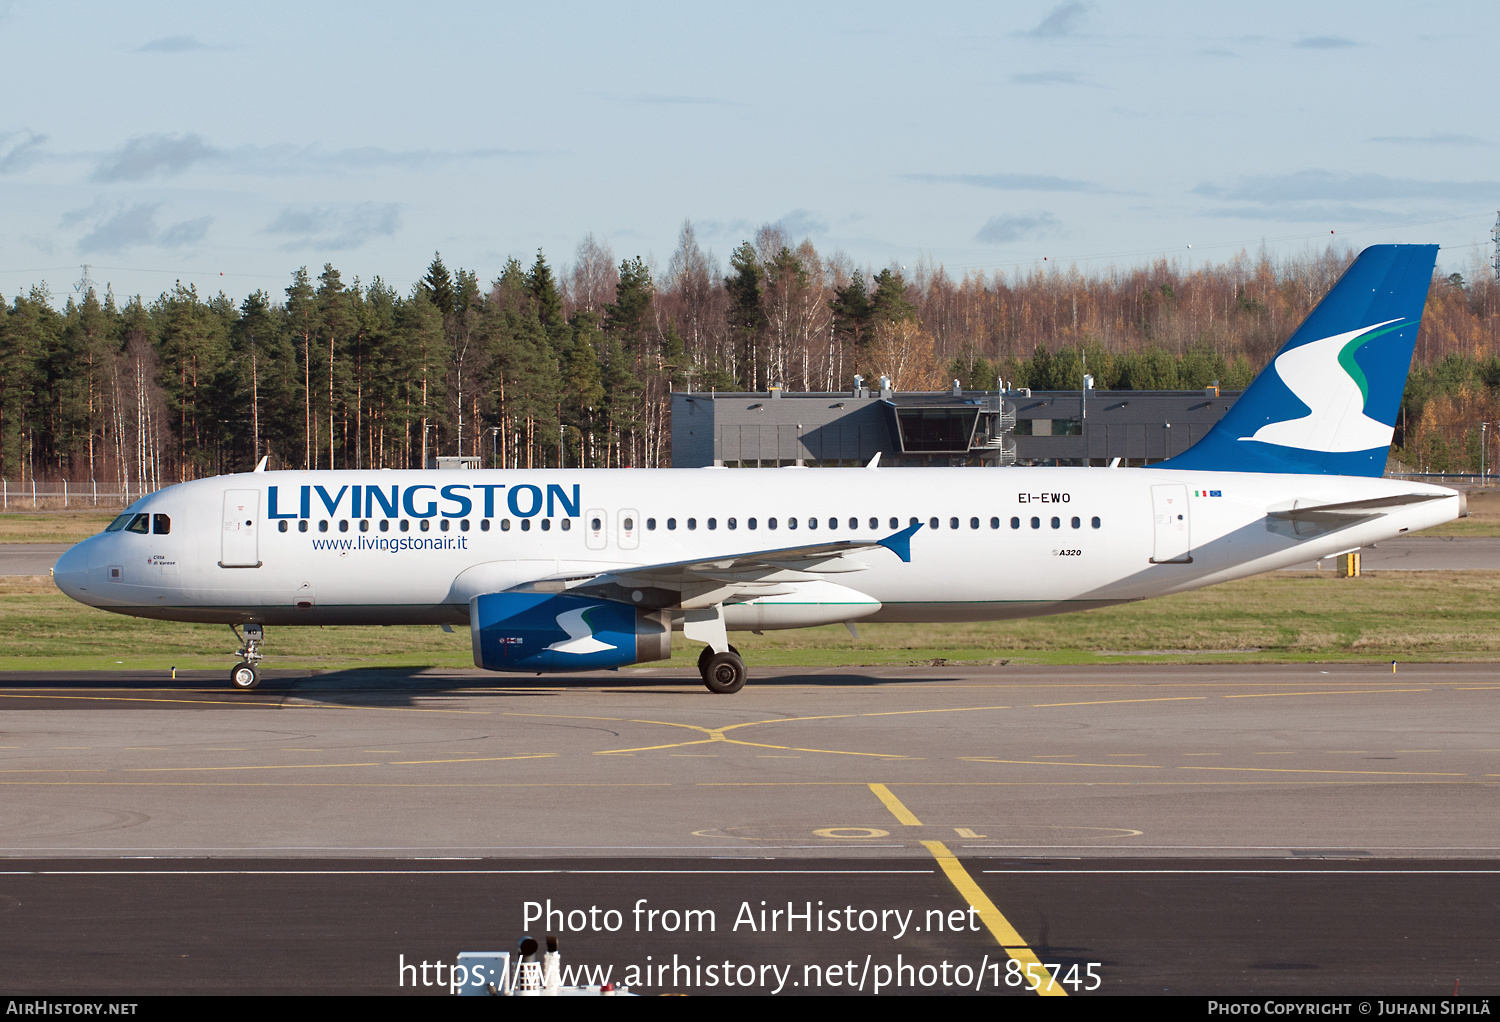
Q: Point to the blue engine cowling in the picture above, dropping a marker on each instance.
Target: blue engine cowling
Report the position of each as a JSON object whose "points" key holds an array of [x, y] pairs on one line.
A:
{"points": [[549, 632]]}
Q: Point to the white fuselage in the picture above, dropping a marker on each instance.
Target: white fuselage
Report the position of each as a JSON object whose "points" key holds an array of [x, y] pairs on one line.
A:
{"points": [[1086, 537]]}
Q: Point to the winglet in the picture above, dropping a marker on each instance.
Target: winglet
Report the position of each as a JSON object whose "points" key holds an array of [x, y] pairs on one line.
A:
{"points": [[875, 461], [261, 465], [899, 543]]}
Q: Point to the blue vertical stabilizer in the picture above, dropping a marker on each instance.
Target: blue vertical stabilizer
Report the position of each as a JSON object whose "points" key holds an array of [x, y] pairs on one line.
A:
{"points": [[1327, 403]]}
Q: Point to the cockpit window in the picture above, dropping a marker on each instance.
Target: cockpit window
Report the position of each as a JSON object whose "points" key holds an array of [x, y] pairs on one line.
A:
{"points": [[119, 523], [140, 523], [161, 524]]}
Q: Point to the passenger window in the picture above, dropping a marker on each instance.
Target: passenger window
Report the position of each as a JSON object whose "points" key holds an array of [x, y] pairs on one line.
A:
{"points": [[1036, 523], [671, 523], [323, 525], [1096, 522], [405, 525], [791, 523], [953, 523], [425, 524], [833, 523], [343, 525], [733, 523], [1057, 523], [364, 525], [281, 526], [140, 524], [161, 524], [385, 525], [1077, 523], [505, 525], [596, 524], [973, 523], [770, 523], [463, 525], [567, 523], [911, 523], [713, 523], [525, 524], [995, 523], [445, 525], [546, 525], [750, 523], [895, 523], [1015, 523], [812, 523], [650, 524], [484, 525], [629, 524], [692, 523], [302, 525], [932, 523]]}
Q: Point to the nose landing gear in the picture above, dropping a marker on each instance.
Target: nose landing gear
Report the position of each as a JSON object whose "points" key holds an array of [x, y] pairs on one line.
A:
{"points": [[246, 674]]}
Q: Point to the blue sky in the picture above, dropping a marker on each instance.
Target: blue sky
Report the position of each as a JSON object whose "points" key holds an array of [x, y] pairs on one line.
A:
{"points": [[227, 146]]}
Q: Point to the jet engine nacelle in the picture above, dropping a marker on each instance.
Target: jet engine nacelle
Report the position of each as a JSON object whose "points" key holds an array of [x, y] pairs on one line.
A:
{"points": [[548, 632]]}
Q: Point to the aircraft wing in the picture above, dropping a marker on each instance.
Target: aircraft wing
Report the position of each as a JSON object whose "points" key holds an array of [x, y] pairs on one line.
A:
{"points": [[733, 578]]}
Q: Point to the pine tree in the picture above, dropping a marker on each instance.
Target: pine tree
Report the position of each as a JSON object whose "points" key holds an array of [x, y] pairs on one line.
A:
{"points": [[542, 287], [437, 286], [747, 319]]}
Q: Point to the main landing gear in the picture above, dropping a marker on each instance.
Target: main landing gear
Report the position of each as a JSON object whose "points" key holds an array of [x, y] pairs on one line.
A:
{"points": [[246, 674], [723, 673]]}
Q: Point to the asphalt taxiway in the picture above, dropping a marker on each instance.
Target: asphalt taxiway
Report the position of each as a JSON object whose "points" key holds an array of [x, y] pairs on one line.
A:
{"points": [[1127, 760], [1236, 829]]}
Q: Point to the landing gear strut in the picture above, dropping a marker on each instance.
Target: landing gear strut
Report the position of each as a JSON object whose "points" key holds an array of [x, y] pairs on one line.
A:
{"points": [[723, 673], [246, 674]]}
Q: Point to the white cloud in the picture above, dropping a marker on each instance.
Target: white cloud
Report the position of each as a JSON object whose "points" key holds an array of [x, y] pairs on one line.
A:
{"points": [[1062, 20], [174, 44], [335, 227], [147, 156], [116, 228], [1000, 230]]}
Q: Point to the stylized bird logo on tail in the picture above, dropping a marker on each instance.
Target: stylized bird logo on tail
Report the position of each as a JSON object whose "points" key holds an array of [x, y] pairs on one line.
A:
{"points": [[1325, 377]]}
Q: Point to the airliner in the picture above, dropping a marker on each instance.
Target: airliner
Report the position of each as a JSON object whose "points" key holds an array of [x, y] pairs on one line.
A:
{"points": [[580, 570]]}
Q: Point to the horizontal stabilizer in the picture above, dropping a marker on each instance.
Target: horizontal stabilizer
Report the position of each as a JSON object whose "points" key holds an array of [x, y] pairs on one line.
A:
{"points": [[1352, 510]]}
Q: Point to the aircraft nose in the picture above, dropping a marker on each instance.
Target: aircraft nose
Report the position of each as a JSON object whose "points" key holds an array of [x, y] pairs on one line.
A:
{"points": [[70, 574]]}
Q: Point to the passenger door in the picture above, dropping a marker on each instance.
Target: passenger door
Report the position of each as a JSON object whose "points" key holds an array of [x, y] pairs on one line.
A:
{"points": [[240, 540], [1169, 509]]}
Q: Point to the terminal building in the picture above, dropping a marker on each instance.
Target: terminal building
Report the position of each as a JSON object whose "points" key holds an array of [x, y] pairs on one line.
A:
{"points": [[958, 427]]}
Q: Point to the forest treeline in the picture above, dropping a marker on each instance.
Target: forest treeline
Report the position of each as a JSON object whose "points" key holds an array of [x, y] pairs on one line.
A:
{"points": [[574, 366]]}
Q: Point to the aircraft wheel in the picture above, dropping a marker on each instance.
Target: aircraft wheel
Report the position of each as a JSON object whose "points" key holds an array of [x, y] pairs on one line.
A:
{"points": [[244, 676], [705, 655], [725, 674]]}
